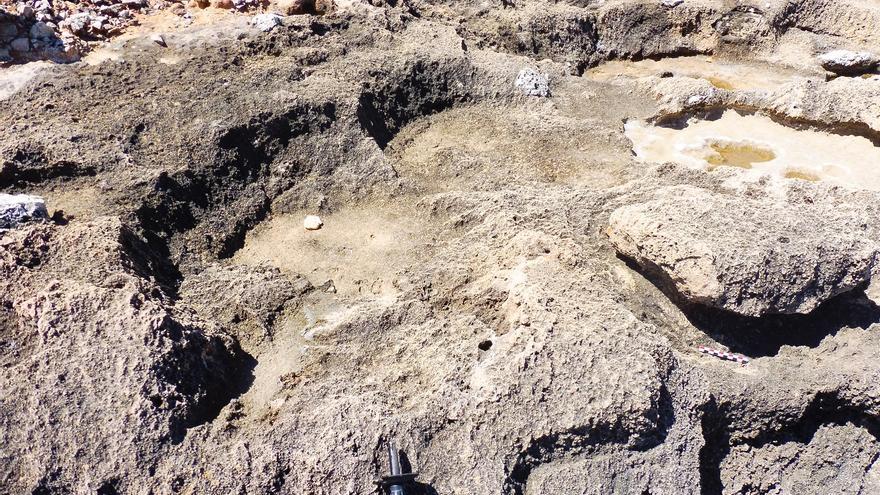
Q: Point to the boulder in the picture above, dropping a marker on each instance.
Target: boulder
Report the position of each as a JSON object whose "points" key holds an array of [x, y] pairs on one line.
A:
{"points": [[20, 45], [41, 31], [82, 297], [849, 63], [743, 255], [16, 209]]}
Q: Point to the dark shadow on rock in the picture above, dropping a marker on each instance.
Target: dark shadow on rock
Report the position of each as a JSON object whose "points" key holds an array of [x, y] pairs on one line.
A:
{"points": [[584, 441], [30, 163], [405, 463], [764, 336], [416, 488], [825, 409], [227, 194], [216, 373], [679, 121], [663, 413], [682, 121], [418, 89], [108, 488], [716, 435]]}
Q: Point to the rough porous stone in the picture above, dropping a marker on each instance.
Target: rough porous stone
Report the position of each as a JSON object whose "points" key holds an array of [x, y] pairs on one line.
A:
{"points": [[746, 256], [158, 371], [822, 459], [249, 297], [849, 63], [266, 22], [532, 83], [16, 209]]}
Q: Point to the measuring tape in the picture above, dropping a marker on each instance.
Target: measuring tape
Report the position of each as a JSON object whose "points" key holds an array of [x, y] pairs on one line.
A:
{"points": [[727, 356]]}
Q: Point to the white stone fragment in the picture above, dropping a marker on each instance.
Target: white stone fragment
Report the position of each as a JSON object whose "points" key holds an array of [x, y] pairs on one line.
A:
{"points": [[533, 83], [16, 209], [313, 222], [266, 22]]}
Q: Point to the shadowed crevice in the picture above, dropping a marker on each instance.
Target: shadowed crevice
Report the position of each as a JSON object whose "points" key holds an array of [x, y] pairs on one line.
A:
{"points": [[764, 336]]}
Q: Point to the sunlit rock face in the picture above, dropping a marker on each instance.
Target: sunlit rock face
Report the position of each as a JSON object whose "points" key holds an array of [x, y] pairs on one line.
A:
{"points": [[762, 145]]}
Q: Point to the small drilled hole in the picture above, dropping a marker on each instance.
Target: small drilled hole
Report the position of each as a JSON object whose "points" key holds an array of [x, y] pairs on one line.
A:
{"points": [[485, 345]]}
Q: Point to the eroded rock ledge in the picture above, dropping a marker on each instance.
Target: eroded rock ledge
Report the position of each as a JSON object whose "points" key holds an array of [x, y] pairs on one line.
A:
{"points": [[747, 255]]}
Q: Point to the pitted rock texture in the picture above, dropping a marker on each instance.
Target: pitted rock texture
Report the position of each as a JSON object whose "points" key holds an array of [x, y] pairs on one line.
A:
{"points": [[90, 336], [824, 459], [849, 63], [532, 83], [173, 328], [744, 255], [238, 295]]}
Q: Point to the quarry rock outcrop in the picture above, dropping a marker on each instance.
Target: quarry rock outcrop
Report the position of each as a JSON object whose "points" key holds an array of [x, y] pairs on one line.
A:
{"points": [[174, 327], [746, 256], [849, 63]]}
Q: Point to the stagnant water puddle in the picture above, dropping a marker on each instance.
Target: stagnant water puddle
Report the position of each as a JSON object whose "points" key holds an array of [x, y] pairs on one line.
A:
{"points": [[761, 145], [723, 74]]}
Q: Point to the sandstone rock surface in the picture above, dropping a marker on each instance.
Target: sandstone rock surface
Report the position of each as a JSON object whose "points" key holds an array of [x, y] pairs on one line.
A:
{"points": [[178, 331], [849, 63], [746, 256]]}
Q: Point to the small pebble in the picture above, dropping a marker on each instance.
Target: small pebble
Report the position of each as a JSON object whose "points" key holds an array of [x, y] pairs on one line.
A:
{"points": [[313, 222]]}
